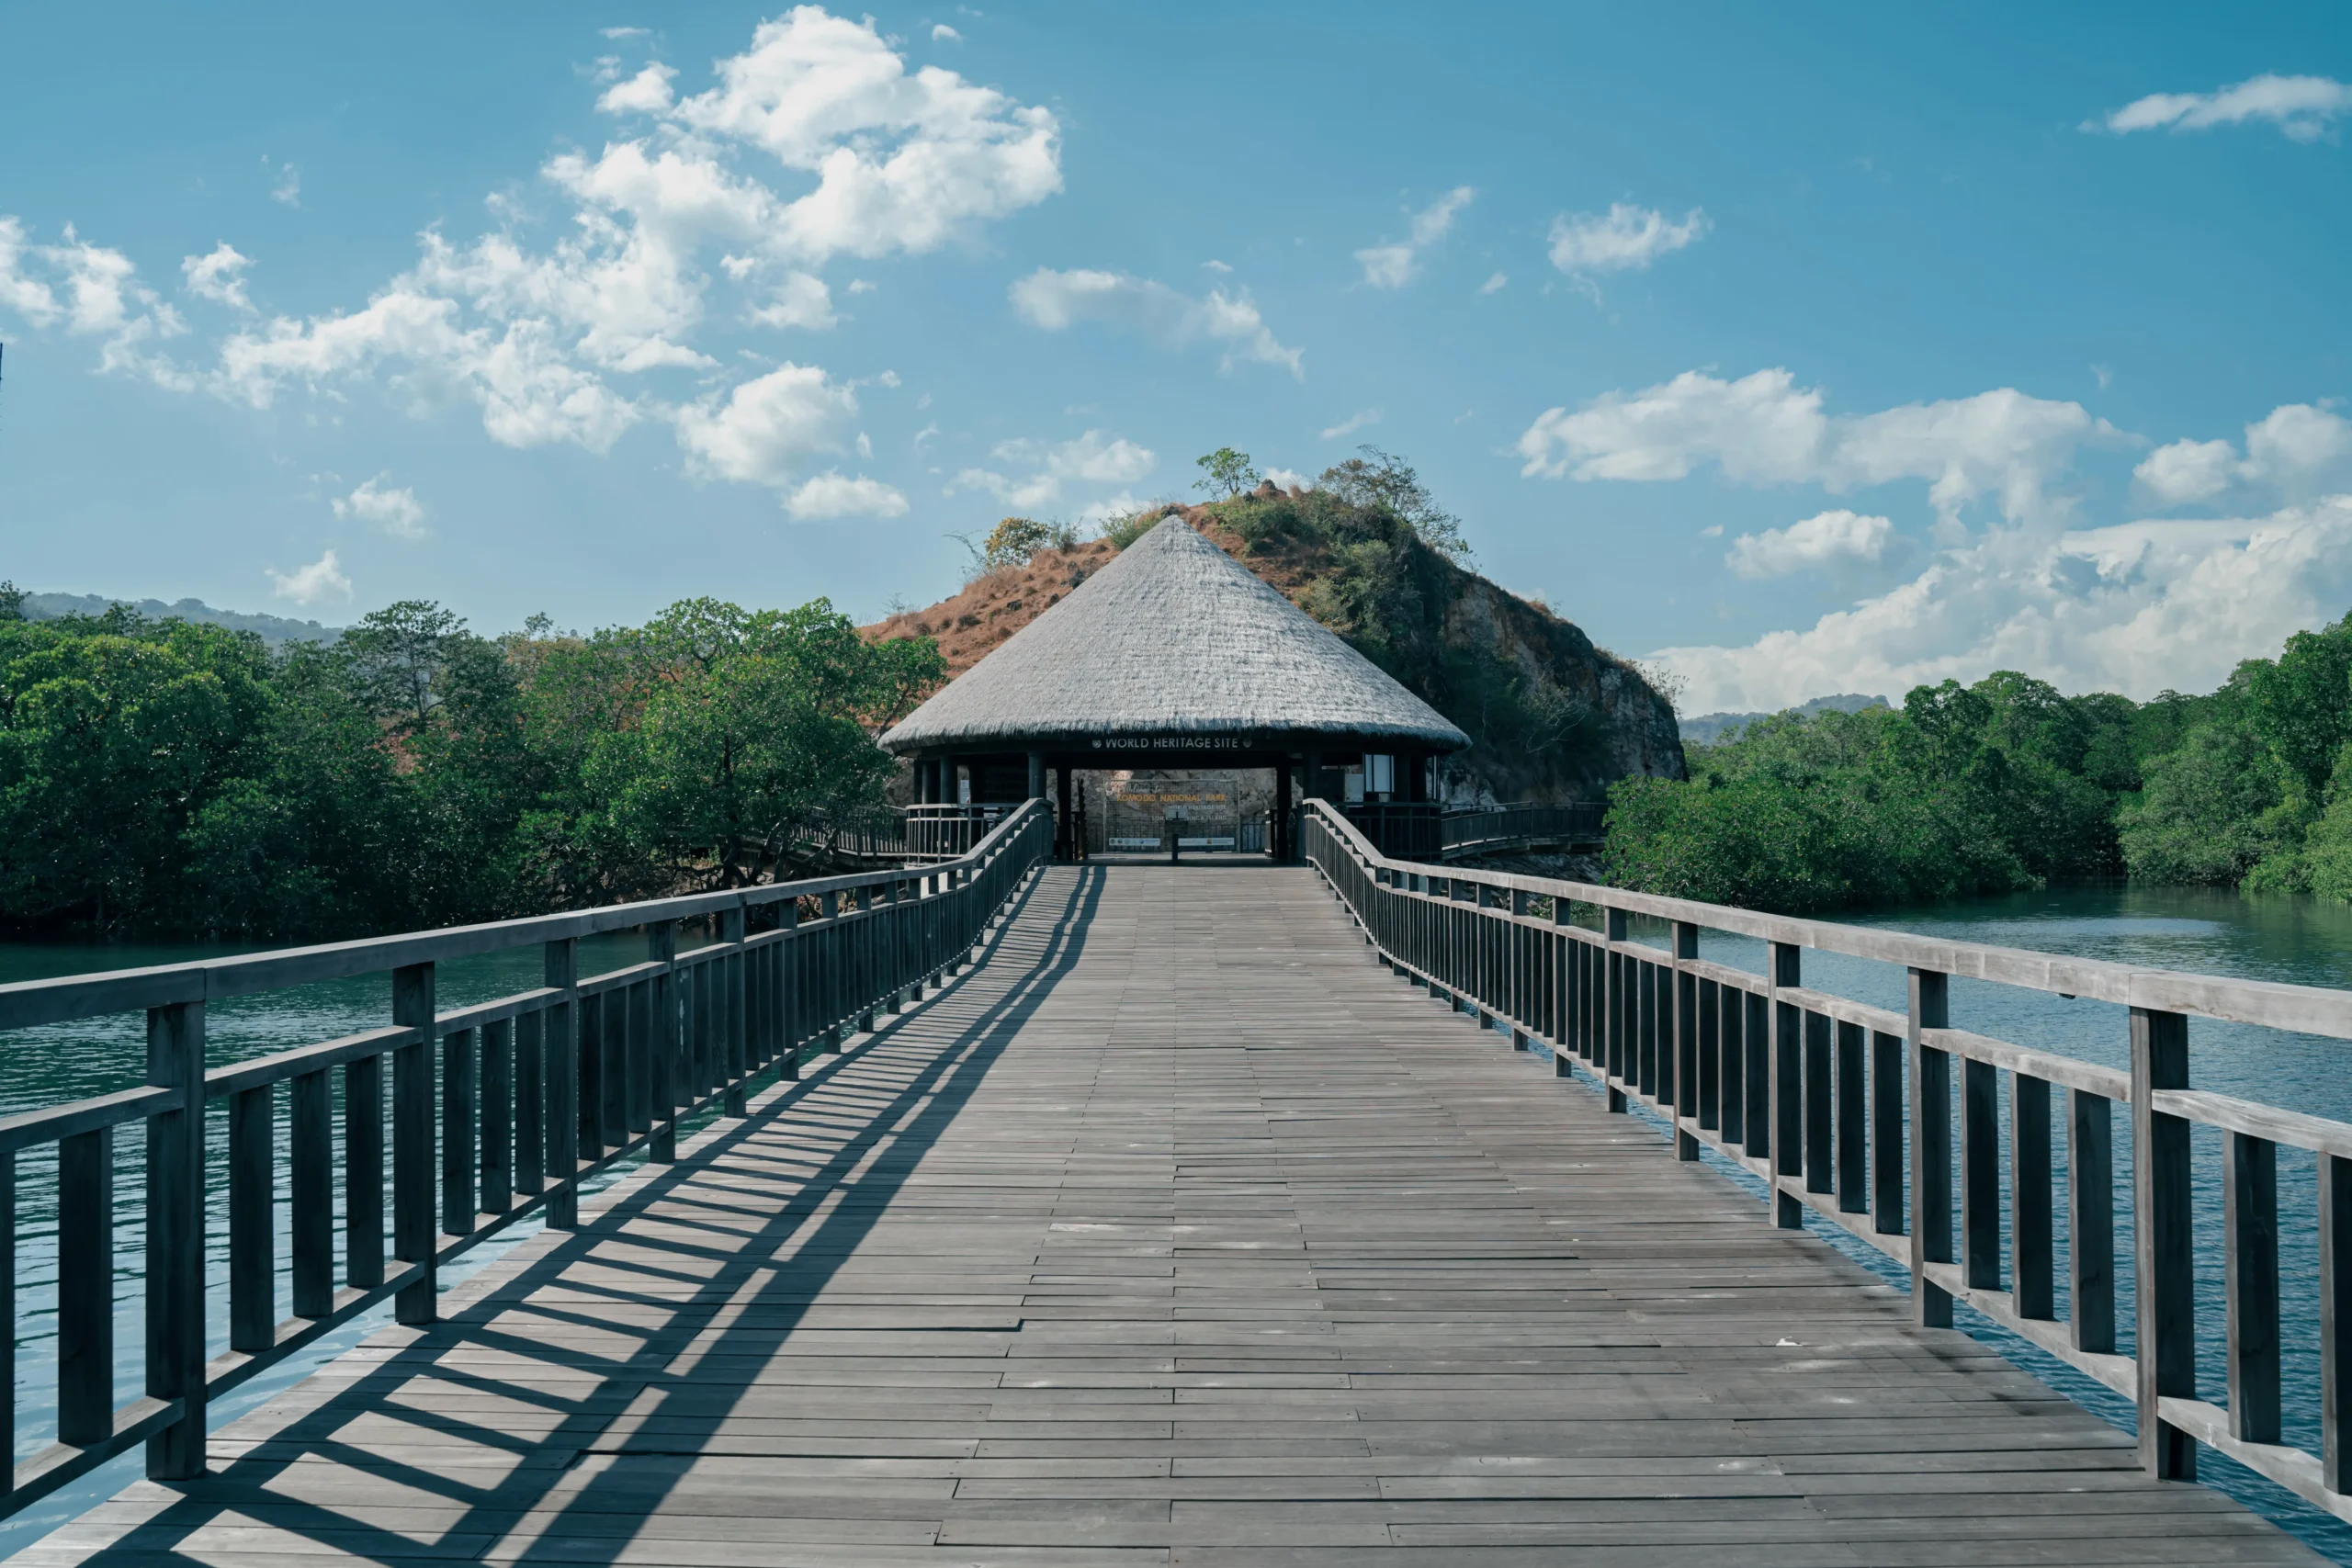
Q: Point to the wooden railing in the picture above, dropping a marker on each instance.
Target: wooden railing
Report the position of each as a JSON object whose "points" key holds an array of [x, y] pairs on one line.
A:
{"points": [[1847, 1110], [942, 832], [1498, 830], [511, 1104]]}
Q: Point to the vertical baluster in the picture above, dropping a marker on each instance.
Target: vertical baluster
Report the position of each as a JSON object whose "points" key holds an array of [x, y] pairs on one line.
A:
{"points": [[2165, 1261], [363, 1172], [85, 1288], [791, 1026], [1617, 1007], [2091, 1221], [460, 1112], [561, 1059], [1932, 1240], [2031, 1201], [1788, 1086], [8, 1317], [588, 1097], [1682, 1093], [253, 1223], [530, 1103], [618, 1021], [1853, 1119], [1820, 1110], [644, 1053], [1731, 1041], [1980, 1175], [1887, 1132], [2334, 1320], [730, 1010], [662, 1042], [498, 1116], [2250, 1222], [1710, 1086], [412, 1238], [175, 1247], [310, 1112]]}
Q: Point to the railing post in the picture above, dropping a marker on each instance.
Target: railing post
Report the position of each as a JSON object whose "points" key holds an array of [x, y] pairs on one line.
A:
{"points": [[2090, 1228], [175, 1239], [560, 1045], [2250, 1222], [1788, 1087], [2163, 1243], [460, 1096], [1980, 1175], [787, 960], [2334, 1320], [413, 1237], [1618, 997], [85, 1288], [1887, 1133], [1683, 1108], [1520, 990], [1569, 998], [2030, 1198], [1931, 1148]]}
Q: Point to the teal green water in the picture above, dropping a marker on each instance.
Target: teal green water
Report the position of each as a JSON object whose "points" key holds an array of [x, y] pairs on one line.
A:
{"points": [[2275, 939]]}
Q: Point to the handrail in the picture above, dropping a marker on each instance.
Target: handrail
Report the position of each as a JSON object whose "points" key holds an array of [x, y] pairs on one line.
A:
{"points": [[1845, 1110], [498, 1111]]}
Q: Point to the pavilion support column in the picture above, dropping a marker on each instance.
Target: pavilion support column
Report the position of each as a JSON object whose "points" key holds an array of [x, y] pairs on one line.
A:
{"points": [[1036, 775], [1063, 848], [1278, 830]]}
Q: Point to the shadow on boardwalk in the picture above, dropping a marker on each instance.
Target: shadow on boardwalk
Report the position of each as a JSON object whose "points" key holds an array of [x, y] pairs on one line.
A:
{"points": [[703, 1285]]}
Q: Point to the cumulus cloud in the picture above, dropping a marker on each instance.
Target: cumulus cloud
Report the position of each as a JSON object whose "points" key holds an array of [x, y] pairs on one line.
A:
{"points": [[90, 291], [1289, 478], [1350, 425], [2304, 108], [1624, 239], [2136, 607], [1095, 457], [835, 494], [815, 143], [761, 431], [1494, 284], [218, 276], [1056, 300], [319, 580], [396, 511], [1825, 539], [2298, 449], [1394, 265], [1763, 429], [942, 33], [286, 190]]}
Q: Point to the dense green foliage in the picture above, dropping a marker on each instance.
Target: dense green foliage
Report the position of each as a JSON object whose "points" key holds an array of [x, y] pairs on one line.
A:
{"points": [[2008, 785], [164, 776]]}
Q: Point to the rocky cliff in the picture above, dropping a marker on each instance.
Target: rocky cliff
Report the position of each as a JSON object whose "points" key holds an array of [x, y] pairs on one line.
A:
{"points": [[1551, 716]]}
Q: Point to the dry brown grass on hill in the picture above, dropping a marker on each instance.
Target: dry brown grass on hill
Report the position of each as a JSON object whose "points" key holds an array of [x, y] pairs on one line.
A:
{"points": [[995, 604]]}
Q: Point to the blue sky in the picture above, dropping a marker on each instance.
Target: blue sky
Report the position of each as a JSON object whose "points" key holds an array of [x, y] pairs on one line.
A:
{"points": [[1822, 349]]}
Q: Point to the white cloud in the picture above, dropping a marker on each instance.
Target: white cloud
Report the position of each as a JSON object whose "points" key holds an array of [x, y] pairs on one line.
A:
{"points": [[219, 277], [647, 91], [2298, 449], [91, 291], [28, 297], [287, 190], [1094, 457], [834, 495], [625, 32], [1825, 539], [1056, 300], [1214, 265], [1351, 424], [860, 286], [396, 511], [1625, 237], [322, 579], [1498, 282], [1394, 265], [1764, 430], [2304, 108], [1289, 478], [942, 33], [2136, 607], [761, 430], [801, 300]]}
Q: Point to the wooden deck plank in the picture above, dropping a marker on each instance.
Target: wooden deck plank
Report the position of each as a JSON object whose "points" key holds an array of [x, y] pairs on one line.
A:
{"points": [[1178, 1232]]}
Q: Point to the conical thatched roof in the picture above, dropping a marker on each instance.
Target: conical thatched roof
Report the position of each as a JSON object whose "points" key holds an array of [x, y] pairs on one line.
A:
{"points": [[1174, 638]]}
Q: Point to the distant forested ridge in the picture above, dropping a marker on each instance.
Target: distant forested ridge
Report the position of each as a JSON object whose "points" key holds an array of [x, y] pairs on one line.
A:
{"points": [[2009, 784], [170, 775]]}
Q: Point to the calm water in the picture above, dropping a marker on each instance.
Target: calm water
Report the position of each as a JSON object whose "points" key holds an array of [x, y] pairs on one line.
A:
{"points": [[2278, 939]]}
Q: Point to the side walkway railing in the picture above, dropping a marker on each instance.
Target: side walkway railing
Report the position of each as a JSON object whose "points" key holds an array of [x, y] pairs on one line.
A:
{"points": [[1502, 829], [1847, 1110], [496, 1112]]}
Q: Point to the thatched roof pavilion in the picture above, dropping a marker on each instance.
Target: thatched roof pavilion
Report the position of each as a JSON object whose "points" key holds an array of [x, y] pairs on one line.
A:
{"points": [[1173, 655]]}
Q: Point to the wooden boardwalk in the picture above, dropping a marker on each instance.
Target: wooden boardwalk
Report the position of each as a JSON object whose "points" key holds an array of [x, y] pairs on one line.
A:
{"points": [[1178, 1232]]}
